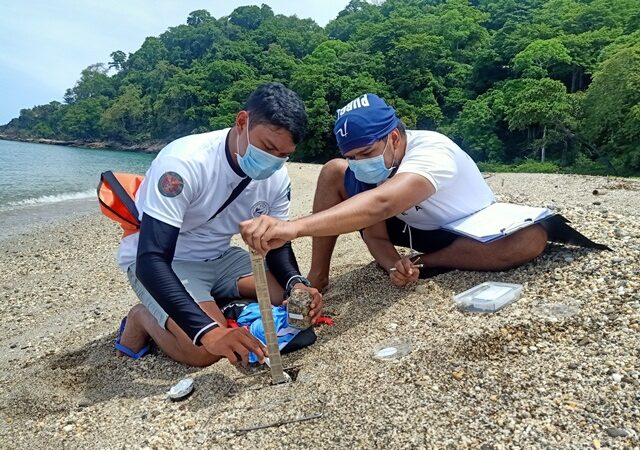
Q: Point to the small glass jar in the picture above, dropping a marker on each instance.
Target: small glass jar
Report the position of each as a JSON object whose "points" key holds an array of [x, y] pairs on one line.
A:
{"points": [[298, 307]]}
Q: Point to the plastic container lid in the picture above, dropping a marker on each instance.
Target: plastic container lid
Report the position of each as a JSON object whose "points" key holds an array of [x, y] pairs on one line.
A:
{"points": [[488, 297], [557, 311], [392, 350]]}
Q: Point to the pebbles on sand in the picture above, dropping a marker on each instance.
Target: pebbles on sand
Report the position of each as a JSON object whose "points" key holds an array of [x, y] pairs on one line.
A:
{"points": [[509, 380]]}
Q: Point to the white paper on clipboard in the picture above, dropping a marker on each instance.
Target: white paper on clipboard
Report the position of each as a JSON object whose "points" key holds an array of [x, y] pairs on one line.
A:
{"points": [[497, 220]]}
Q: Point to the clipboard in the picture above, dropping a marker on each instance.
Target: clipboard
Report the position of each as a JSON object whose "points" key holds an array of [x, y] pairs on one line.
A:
{"points": [[497, 221], [502, 219]]}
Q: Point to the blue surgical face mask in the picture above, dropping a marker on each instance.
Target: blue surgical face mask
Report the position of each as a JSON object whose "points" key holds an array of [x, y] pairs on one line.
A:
{"points": [[371, 170], [256, 163]]}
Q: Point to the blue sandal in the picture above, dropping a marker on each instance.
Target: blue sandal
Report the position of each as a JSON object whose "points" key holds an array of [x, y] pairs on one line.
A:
{"points": [[126, 350]]}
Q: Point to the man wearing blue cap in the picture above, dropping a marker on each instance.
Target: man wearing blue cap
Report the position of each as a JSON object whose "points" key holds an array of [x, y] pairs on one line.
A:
{"points": [[399, 187]]}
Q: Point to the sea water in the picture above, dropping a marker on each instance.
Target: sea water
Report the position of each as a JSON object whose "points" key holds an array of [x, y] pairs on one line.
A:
{"points": [[41, 183]]}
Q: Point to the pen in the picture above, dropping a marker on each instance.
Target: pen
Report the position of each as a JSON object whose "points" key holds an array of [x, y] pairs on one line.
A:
{"points": [[393, 269]]}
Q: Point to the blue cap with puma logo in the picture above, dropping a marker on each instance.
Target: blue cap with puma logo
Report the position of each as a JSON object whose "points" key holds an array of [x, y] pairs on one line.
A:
{"points": [[363, 121]]}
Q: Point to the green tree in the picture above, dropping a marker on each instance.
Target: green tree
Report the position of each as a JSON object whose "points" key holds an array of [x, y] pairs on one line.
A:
{"points": [[515, 37], [612, 108], [171, 112], [320, 128], [620, 43], [40, 121], [232, 100], [149, 55], [153, 81], [185, 44], [540, 57], [356, 14], [277, 63], [124, 119], [460, 25], [502, 12], [94, 82], [250, 17], [81, 120], [539, 107], [598, 14], [118, 60], [297, 36], [585, 50], [477, 127], [199, 17]]}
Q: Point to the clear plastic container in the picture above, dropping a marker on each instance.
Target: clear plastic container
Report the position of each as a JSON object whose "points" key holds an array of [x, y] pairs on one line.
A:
{"points": [[488, 297], [557, 311]]}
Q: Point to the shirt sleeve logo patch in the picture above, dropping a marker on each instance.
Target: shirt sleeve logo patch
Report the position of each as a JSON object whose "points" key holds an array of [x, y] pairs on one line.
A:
{"points": [[260, 209], [170, 184]]}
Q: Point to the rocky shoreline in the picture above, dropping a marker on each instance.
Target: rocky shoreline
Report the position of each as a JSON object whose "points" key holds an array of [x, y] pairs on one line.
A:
{"points": [[145, 147], [559, 368]]}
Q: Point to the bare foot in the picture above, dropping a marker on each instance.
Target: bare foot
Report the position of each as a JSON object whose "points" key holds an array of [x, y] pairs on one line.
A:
{"points": [[320, 282], [134, 335]]}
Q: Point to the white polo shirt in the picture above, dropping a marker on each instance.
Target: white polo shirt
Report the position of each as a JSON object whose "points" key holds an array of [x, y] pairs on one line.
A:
{"points": [[186, 184], [460, 187]]}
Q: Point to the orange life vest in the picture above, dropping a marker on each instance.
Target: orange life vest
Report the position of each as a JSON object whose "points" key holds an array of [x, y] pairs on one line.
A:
{"points": [[116, 194]]}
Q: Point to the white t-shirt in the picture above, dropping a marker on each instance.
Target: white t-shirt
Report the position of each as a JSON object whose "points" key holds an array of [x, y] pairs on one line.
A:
{"points": [[460, 187], [208, 178]]}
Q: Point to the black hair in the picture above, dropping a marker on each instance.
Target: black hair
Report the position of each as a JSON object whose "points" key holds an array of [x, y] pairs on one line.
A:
{"points": [[274, 104], [402, 129]]}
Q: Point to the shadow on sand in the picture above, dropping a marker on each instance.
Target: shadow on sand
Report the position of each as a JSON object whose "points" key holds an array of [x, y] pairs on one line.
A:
{"points": [[93, 374]]}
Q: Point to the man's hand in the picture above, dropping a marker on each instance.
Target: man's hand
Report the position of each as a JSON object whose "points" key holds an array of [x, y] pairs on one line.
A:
{"points": [[233, 343], [404, 272], [265, 233], [317, 302]]}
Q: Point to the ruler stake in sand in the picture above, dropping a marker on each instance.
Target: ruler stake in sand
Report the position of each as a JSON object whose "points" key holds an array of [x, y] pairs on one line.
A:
{"points": [[262, 290]]}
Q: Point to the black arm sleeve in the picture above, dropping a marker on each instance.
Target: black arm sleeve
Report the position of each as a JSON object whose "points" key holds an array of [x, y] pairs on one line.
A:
{"points": [[156, 248], [282, 264]]}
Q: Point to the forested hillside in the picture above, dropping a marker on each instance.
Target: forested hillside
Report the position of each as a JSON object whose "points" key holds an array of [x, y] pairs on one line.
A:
{"points": [[509, 80]]}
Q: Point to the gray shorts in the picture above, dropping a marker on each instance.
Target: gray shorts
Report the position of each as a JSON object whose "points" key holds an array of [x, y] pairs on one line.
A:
{"points": [[204, 280]]}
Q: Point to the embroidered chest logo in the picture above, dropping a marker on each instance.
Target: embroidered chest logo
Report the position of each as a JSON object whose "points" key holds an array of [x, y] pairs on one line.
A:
{"points": [[170, 184], [260, 209]]}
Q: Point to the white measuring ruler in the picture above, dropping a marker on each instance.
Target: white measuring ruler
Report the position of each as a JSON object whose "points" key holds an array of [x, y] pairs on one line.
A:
{"points": [[262, 290]]}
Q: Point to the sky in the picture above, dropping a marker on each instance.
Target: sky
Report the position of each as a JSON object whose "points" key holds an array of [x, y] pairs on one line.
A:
{"points": [[45, 44]]}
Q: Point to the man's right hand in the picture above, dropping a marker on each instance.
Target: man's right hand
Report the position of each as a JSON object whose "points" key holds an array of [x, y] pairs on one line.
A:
{"points": [[265, 233], [404, 272], [232, 343]]}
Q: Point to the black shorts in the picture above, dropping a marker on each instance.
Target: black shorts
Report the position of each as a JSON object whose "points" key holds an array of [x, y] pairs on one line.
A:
{"points": [[400, 234], [423, 241]]}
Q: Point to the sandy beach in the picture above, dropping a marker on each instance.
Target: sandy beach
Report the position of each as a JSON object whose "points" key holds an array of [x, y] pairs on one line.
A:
{"points": [[522, 378]]}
